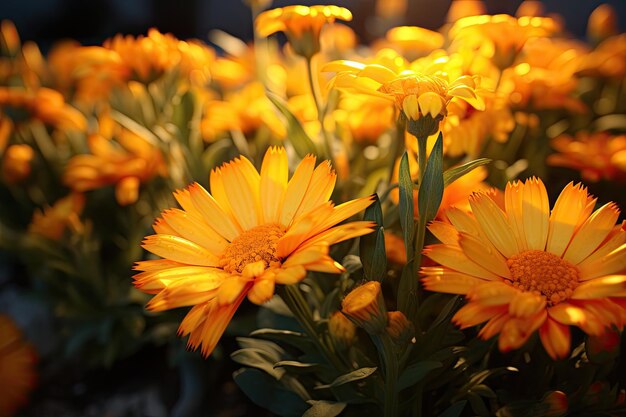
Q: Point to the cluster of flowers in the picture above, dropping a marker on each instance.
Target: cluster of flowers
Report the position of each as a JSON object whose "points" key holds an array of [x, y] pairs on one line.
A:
{"points": [[408, 126]]}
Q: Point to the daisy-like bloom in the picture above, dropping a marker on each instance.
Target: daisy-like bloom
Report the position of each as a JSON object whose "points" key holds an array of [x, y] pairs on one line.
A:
{"points": [[524, 268], [254, 230], [301, 24], [246, 110], [598, 156], [43, 104], [365, 117], [17, 368], [52, 222], [126, 163], [608, 60], [465, 8], [421, 97], [499, 37], [413, 40]]}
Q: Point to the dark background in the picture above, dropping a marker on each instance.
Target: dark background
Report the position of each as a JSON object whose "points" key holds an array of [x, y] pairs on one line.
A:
{"points": [[92, 21]]}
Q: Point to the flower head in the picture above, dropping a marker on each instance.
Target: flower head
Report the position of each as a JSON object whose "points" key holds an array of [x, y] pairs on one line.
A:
{"points": [[421, 97], [342, 330], [17, 368], [16, 163], [253, 231], [301, 24], [399, 328], [524, 268], [365, 306], [63, 214], [598, 156]]}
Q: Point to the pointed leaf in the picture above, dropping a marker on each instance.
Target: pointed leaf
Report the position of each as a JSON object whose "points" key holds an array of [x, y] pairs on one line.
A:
{"points": [[324, 409], [372, 245], [416, 372], [453, 174], [405, 184], [431, 186], [296, 133], [357, 375]]}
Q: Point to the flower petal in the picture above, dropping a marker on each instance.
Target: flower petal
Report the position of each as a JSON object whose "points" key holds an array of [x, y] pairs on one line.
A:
{"points": [[274, 177], [179, 250], [556, 339], [494, 223], [592, 233]]}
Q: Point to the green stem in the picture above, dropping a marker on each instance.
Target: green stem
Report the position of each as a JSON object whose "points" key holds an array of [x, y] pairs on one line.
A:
{"points": [[389, 359], [321, 112], [300, 308], [397, 146]]}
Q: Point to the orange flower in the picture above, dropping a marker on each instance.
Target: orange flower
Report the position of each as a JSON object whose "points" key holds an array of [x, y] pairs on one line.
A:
{"points": [[608, 60], [125, 163], [17, 368], [52, 222], [602, 23], [524, 268], [252, 232], [342, 330], [45, 105], [365, 306], [16, 163], [413, 40], [598, 156], [301, 24]]}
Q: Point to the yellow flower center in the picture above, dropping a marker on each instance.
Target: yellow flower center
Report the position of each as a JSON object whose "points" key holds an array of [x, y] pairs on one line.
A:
{"points": [[543, 273], [253, 245]]}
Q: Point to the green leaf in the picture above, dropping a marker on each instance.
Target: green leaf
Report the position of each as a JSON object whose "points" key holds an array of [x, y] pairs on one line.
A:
{"points": [[297, 136], [416, 372], [324, 409], [295, 339], [295, 367], [256, 358], [357, 375], [267, 393], [453, 174], [454, 410], [372, 245], [405, 184], [431, 186]]}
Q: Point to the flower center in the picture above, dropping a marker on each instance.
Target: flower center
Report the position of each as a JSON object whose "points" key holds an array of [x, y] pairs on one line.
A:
{"points": [[253, 245], [543, 273]]}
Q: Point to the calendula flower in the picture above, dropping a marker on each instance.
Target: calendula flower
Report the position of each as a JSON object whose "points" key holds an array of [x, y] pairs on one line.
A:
{"points": [[125, 163], [17, 368], [499, 37], [365, 306], [252, 232], [598, 156], [608, 60], [524, 268], [365, 117], [52, 222], [421, 97], [413, 40], [43, 104], [16, 163], [395, 248], [342, 330], [301, 24], [465, 8]]}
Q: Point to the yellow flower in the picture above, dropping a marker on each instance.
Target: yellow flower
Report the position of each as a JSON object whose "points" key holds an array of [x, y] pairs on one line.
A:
{"points": [[365, 117], [342, 330], [598, 156], [524, 268], [365, 306], [608, 60], [499, 37], [16, 163], [417, 95], [301, 24], [464, 8], [52, 222], [17, 368], [413, 40], [45, 105], [125, 163], [252, 232]]}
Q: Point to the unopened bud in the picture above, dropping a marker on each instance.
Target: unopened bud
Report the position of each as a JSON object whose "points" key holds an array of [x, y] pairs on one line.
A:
{"points": [[365, 306], [399, 328], [342, 330]]}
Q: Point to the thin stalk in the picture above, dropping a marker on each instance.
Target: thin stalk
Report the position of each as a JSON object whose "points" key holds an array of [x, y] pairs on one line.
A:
{"points": [[321, 112], [389, 359], [397, 146], [298, 305]]}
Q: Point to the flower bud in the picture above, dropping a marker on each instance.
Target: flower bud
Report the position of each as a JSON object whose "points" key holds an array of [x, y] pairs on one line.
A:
{"points": [[399, 328], [557, 404], [602, 23], [127, 191], [342, 330], [365, 306], [16, 165]]}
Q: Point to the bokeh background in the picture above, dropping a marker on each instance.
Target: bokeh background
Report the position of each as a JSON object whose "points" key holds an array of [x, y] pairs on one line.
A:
{"points": [[147, 384]]}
